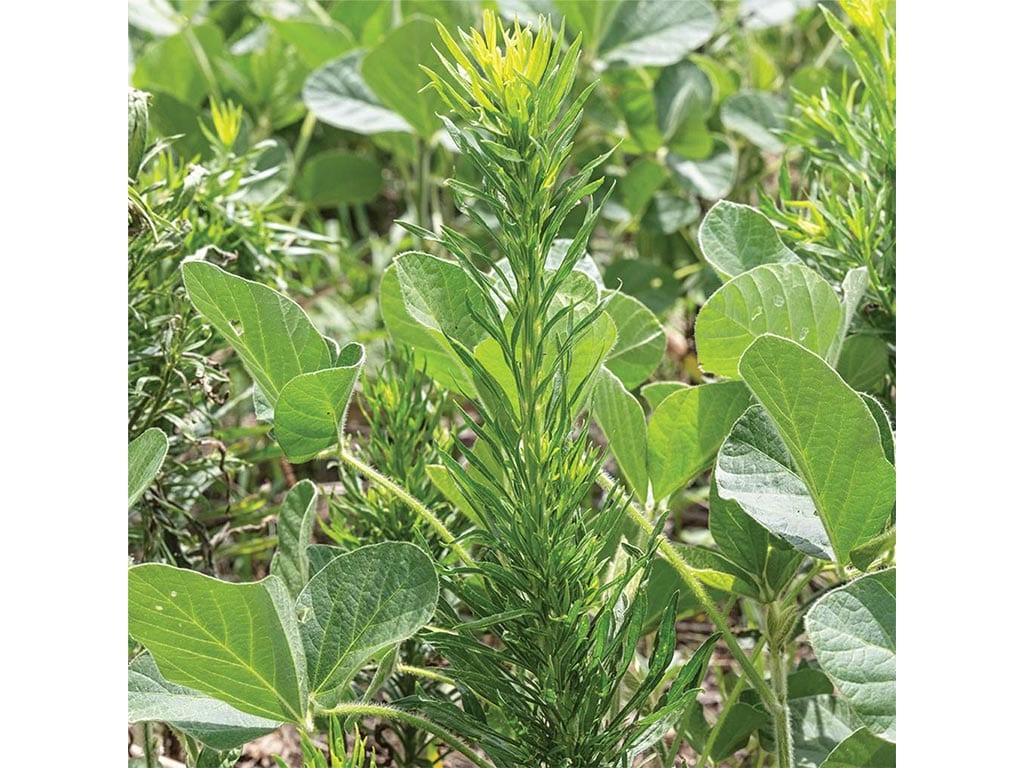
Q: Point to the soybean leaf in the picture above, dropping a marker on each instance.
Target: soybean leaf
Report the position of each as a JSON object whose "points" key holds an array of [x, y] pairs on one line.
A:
{"points": [[820, 723], [686, 430], [170, 66], [145, 457], [718, 572], [656, 392], [294, 531], [831, 436], [271, 333], [862, 749], [668, 213], [853, 632], [233, 642], [756, 116], [320, 555], [639, 184], [392, 70], [337, 94], [358, 604], [157, 17], [788, 300], [864, 556], [333, 178], [762, 14], [151, 697], [735, 238], [424, 302], [656, 33], [639, 340], [664, 582], [769, 560], [884, 426], [740, 721], [622, 420], [680, 92], [855, 285], [311, 410], [315, 42], [864, 362], [710, 178], [755, 470]]}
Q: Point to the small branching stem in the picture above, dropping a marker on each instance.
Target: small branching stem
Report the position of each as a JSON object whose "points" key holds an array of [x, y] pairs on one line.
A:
{"points": [[407, 498], [392, 713]]}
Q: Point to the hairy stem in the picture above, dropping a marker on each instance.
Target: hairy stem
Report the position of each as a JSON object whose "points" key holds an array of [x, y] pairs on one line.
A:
{"points": [[413, 503], [777, 656]]}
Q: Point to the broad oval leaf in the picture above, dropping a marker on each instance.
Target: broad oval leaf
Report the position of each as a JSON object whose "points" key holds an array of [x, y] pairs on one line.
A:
{"points": [[294, 531], [212, 722], [311, 410], [622, 420], [831, 435], [862, 749], [679, 92], [639, 340], [656, 33], [788, 300], [864, 362], [735, 238], [710, 178], [170, 66], [315, 42], [392, 70], [358, 604], [820, 724], [337, 94], [853, 632], [755, 470], [271, 333], [424, 302], [686, 430], [234, 642], [757, 116], [336, 177], [145, 457]]}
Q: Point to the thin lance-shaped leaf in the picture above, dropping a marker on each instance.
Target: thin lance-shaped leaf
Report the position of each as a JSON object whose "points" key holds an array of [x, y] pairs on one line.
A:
{"points": [[145, 457], [788, 300], [294, 531], [229, 641], [358, 604], [686, 430], [214, 723], [862, 749], [622, 420], [272, 335], [311, 410], [755, 470], [639, 341], [735, 238], [831, 436], [853, 632]]}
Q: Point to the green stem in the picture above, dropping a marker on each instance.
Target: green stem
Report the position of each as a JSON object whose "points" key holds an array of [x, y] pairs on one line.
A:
{"points": [[203, 61], [689, 577], [731, 699], [777, 647], [383, 710], [149, 746], [411, 501], [427, 674], [305, 135]]}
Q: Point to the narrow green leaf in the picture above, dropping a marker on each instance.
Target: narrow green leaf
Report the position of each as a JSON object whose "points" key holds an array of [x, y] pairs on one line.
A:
{"points": [[336, 177], [853, 632], [145, 457], [337, 94], [622, 420], [755, 470], [639, 340], [862, 749], [442, 479], [787, 300], [229, 641], [358, 604], [735, 238], [311, 410], [151, 697], [294, 531], [392, 70], [831, 436], [656, 33], [272, 335], [686, 430]]}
